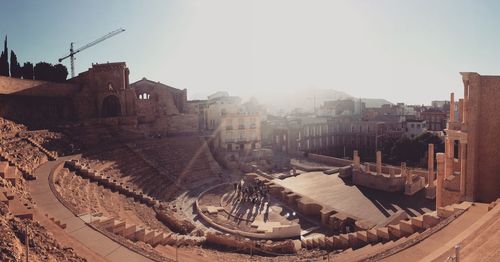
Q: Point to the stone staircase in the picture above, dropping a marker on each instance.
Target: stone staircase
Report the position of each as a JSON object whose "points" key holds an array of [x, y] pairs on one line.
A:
{"points": [[50, 155], [16, 207], [144, 234], [384, 235]]}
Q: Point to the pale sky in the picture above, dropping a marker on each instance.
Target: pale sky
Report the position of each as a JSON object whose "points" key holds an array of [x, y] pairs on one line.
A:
{"points": [[403, 51]]}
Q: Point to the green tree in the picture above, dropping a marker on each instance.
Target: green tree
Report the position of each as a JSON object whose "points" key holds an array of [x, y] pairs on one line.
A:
{"points": [[43, 71], [27, 71], [60, 72], [412, 151], [15, 68]]}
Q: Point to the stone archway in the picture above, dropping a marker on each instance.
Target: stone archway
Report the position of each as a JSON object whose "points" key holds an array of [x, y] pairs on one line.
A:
{"points": [[111, 107]]}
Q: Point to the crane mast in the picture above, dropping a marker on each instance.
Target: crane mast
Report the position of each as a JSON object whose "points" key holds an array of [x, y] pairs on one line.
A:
{"points": [[72, 51]]}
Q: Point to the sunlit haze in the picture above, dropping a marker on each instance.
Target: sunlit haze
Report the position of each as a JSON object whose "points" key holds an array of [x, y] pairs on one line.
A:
{"points": [[409, 51]]}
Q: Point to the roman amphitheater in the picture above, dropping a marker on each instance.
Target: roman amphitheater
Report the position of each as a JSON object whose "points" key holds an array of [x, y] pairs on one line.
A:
{"points": [[99, 169]]}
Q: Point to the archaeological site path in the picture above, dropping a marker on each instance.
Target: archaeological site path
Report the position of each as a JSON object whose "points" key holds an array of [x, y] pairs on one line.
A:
{"points": [[47, 203]]}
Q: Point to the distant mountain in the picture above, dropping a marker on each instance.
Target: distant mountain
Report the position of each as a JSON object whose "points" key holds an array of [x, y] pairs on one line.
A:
{"points": [[374, 102], [305, 99]]}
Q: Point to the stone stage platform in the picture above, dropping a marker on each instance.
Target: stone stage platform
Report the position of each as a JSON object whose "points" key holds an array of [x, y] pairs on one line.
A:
{"points": [[372, 205]]}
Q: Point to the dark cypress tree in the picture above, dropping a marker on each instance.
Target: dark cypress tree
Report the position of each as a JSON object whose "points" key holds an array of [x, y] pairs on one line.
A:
{"points": [[15, 67], [4, 60], [27, 71]]}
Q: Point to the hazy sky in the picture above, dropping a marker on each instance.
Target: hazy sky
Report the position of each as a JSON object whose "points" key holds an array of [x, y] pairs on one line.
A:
{"points": [[404, 51]]}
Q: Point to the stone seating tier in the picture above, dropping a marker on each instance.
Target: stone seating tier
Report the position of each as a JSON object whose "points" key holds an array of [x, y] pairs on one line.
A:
{"points": [[144, 234], [21, 154], [384, 235]]}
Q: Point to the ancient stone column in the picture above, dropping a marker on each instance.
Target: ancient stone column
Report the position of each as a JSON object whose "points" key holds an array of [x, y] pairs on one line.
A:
{"points": [[356, 160], [391, 172], [430, 165], [379, 163], [403, 169], [466, 99], [463, 171], [440, 178], [449, 158], [452, 107], [460, 110]]}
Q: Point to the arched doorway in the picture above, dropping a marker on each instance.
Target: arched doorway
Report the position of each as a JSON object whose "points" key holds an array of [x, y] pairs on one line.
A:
{"points": [[111, 106]]}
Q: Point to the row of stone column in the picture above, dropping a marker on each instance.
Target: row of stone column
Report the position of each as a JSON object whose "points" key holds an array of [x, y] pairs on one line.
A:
{"points": [[378, 164]]}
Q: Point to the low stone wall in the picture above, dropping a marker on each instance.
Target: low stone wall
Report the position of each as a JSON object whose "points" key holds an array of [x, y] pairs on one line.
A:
{"points": [[277, 233], [249, 246], [381, 182], [173, 222], [25, 87], [328, 160]]}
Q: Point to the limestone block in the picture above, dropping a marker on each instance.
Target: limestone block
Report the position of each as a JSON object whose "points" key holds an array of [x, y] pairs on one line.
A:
{"points": [[445, 212], [430, 192], [118, 226], [129, 231], [344, 240], [383, 233], [406, 226], [395, 231], [372, 235], [431, 219], [145, 235], [418, 222]]}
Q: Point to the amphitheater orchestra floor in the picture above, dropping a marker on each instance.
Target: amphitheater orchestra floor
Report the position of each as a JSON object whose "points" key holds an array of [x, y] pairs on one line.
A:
{"points": [[372, 205]]}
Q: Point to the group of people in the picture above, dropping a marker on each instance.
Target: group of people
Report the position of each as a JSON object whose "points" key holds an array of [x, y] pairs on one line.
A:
{"points": [[255, 193]]}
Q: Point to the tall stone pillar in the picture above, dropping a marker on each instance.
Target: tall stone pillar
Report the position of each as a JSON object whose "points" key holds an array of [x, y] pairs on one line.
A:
{"points": [[440, 178], [430, 165], [466, 99], [452, 107], [460, 110], [356, 160], [403, 169], [379, 163], [430, 189], [449, 151], [463, 171]]}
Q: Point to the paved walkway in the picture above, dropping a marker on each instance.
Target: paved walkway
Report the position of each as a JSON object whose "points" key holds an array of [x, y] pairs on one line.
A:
{"points": [[47, 203], [437, 240]]}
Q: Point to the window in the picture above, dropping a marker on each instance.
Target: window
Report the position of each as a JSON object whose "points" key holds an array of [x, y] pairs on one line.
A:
{"points": [[144, 96]]}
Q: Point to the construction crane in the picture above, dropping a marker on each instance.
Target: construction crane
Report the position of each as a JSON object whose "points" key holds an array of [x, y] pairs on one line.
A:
{"points": [[72, 52]]}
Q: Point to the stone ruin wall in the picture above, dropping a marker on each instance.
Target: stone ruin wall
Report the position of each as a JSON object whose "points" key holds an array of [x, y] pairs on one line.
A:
{"points": [[484, 97]]}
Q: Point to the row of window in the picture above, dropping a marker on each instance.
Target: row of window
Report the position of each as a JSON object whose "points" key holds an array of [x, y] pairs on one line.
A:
{"points": [[240, 136], [251, 126], [319, 143], [319, 130]]}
